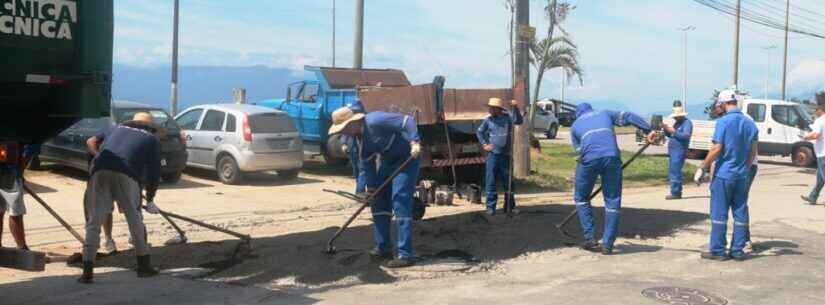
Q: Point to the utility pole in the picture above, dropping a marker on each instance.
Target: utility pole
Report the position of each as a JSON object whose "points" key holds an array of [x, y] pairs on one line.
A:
{"points": [[785, 59], [333, 33], [174, 99], [685, 30], [359, 35], [521, 139], [736, 44], [768, 75]]}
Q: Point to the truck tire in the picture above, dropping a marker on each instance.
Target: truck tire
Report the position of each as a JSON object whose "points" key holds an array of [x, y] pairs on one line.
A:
{"points": [[332, 152], [35, 164], [552, 132], [288, 174], [803, 156], [419, 209], [171, 178], [228, 170]]}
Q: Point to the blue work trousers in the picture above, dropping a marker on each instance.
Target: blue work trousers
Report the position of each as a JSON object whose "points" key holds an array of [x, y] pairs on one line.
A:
{"points": [[728, 195], [610, 171], [497, 168], [677, 161], [396, 199], [360, 179], [820, 179]]}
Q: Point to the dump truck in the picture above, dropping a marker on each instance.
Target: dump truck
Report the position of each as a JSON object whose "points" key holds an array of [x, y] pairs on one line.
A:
{"points": [[57, 69]]}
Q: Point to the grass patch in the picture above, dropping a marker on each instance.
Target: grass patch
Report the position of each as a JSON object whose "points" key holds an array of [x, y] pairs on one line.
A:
{"points": [[554, 170]]}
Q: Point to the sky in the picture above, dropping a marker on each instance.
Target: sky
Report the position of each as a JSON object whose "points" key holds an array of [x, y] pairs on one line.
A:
{"points": [[630, 50]]}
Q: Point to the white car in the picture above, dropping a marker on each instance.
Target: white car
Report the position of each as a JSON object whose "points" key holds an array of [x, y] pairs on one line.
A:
{"points": [[545, 119], [234, 139]]}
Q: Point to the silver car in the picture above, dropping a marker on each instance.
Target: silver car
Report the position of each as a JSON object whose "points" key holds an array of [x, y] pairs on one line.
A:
{"points": [[233, 139]]}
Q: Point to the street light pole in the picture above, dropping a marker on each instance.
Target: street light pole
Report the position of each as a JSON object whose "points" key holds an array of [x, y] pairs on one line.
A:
{"points": [[736, 44], [174, 98], [785, 60], [685, 30], [768, 75], [359, 35], [333, 33]]}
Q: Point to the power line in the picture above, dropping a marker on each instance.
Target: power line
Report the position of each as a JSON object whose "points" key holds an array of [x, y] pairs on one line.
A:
{"points": [[759, 18]]}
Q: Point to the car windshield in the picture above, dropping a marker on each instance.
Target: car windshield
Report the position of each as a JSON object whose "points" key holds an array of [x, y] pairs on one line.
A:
{"points": [[271, 123], [160, 117]]}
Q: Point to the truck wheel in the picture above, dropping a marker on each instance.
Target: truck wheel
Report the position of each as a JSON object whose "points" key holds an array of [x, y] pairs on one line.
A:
{"points": [[35, 164], [228, 170], [803, 156], [171, 178], [552, 132], [419, 209]]}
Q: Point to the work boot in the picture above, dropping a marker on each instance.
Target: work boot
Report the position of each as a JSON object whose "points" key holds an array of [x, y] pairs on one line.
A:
{"points": [[88, 273], [380, 255], [592, 246], [808, 200], [109, 246], [739, 257], [714, 257], [607, 250], [144, 268], [400, 262], [673, 197]]}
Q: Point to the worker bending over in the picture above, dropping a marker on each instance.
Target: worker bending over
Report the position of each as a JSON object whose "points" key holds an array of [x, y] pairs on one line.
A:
{"points": [[388, 139], [734, 146], [495, 136], [130, 151], [598, 156], [677, 147]]}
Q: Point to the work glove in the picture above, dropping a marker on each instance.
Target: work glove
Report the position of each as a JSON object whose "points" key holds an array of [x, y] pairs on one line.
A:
{"points": [[514, 103], [699, 175], [151, 208], [345, 148], [415, 149]]}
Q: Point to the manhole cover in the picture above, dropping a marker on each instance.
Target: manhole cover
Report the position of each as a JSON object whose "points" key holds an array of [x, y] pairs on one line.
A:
{"points": [[683, 296]]}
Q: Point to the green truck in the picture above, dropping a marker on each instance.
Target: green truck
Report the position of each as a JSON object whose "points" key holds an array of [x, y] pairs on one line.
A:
{"points": [[56, 69]]}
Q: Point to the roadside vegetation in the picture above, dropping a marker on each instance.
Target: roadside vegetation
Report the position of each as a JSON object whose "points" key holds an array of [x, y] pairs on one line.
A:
{"points": [[554, 170]]}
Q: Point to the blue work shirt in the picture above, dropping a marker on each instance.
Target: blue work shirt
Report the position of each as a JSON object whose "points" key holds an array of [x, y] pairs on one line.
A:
{"points": [[680, 140], [388, 135], [736, 133], [495, 130], [132, 150], [592, 133]]}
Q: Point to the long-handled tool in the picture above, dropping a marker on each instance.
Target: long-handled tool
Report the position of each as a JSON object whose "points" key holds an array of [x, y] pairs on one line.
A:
{"points": [[509, 197], [246, 240], [330, 249], [56, 216], [181, 239], [560, 226]]}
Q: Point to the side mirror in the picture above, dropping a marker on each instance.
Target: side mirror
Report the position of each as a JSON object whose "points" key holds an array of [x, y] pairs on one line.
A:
{"points": [[288, 94]]}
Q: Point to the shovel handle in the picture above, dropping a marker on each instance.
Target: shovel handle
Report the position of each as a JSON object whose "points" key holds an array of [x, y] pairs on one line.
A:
{"points": [[54, 214]]}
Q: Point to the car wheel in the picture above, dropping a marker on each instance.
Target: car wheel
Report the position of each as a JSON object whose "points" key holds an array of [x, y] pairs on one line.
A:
{"points": [[35, 164], [228, 170], [552, 132], [803, 156], [288, 174], [419, 209], [171, 178]]}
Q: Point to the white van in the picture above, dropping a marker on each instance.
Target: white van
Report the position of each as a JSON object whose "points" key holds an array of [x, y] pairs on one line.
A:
{"points": [[781, 128]]}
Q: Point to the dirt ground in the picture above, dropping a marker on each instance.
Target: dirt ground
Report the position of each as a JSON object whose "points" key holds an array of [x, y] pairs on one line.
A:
{"points": [[466, 257]]}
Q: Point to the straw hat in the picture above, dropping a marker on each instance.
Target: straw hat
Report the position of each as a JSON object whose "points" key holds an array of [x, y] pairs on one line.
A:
{"points": [[342, 117], [495, 102], [678, 112]]}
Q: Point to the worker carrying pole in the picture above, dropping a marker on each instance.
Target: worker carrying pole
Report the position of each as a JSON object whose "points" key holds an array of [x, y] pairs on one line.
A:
{"points": [[598, 156], [389, 139], [129, 152], [495, 135]]}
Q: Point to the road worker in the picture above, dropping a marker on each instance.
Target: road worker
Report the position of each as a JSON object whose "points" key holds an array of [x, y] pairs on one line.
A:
{"points": [[817, 135], [734, 146], [392, 139], [495, 136], [350, 147], [129, 152], [11, 192], [598, 156], [678, 140]]}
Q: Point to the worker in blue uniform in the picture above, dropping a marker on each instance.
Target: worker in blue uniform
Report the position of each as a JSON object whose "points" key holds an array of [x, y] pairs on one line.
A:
{"points": [[734, 146], [389, 139], [598, 156], [678, 140], [495, 136]]}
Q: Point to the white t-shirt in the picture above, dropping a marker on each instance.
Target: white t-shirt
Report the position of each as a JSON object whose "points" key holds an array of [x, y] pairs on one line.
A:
{"points": [[819, 143]]}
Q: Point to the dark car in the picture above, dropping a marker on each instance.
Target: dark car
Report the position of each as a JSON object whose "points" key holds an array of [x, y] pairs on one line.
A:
{"points": [[69, 147]]}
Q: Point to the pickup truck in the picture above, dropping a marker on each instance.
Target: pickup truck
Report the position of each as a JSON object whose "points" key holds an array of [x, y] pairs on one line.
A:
{"points": [[781, 127], [57, 66], [310, 103]]}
